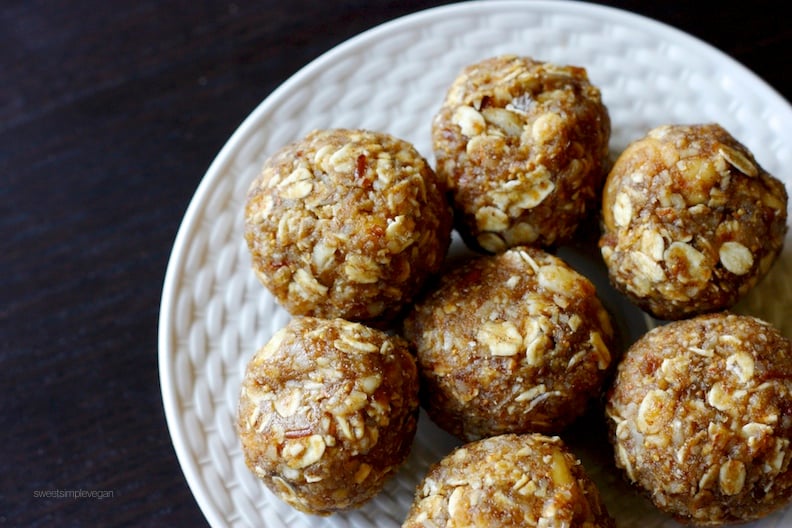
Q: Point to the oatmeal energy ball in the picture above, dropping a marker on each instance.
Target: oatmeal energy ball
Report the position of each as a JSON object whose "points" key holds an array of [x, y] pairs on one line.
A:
{"points": [[346, 223], [522, 145], [510, 343], [701, 418], [327, 412], [691, 222], [509, 481]]}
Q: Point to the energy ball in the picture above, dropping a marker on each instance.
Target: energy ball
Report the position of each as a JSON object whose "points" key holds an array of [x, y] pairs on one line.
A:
{"points": [[691, 222], [523, 146], [510, 343], [327, 412], [346, 223], [509, 481], [701, 418]]}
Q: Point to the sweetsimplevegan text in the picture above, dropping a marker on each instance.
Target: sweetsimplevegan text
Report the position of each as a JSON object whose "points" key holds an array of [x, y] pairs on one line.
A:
{"points": [[73, 494]]}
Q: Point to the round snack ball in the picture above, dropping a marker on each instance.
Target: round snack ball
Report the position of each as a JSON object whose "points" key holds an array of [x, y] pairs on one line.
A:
{"points": [[691, 221], [510, 343], [523, 147], [346, 223], [328, 411], [701, 418], [509, 481]]}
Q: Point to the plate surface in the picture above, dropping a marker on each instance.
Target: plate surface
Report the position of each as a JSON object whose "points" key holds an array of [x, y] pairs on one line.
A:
{"points": [[214, 314]]}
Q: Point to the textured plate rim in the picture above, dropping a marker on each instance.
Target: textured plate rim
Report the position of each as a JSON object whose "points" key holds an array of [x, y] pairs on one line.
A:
{"points": [[188, 225]]}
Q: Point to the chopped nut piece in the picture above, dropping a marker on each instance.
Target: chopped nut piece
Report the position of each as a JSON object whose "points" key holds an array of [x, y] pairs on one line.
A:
{"points": [[502, 339], [560, 472], [547, 127], [306, 453], [399, 233], [370, 383], [469, 120]]}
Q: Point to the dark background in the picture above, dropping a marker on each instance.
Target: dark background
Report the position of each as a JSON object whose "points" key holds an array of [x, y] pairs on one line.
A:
{"points": [[110, 113]]}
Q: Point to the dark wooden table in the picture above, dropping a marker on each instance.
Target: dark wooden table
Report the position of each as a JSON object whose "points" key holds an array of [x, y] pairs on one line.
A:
{"points": [[110, 113]]}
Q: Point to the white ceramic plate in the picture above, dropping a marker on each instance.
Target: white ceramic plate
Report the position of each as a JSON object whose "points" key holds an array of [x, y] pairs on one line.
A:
{"points": [[214, 314]]}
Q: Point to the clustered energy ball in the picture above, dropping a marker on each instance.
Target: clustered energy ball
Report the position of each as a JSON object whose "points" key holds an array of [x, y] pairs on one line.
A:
{"points": [[522, 145], [509, 481], [510, 343], [347, 223], [328, 411], [701, 418], [691, 221]]}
